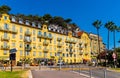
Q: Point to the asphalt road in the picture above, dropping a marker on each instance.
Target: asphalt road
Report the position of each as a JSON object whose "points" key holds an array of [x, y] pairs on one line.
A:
{"points": [[99, 73]]}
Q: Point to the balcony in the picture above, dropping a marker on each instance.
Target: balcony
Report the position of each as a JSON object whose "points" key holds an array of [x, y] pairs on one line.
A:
{"points": [[59, 44], [59, 39], [39, 35], [45, 49], [45, 36], [28, 33], [67, 40], [5, 47], [80, 48], [14, 31], [45, 43], [86, 53], [81, 53], [50, 37], [3, 38], [27, 40], [70, 46], [6, 29], [59, 51], [28, 48]]}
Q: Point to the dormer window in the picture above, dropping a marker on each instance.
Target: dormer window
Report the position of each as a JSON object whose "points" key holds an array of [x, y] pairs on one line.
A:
{"points": [[33, 24], [49, 28], [27, 22], [39, 25], [13, 19], [20, 20], [53, 29]]}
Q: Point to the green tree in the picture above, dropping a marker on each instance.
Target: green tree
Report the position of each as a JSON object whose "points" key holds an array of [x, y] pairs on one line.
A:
{"points": [[97, 24], [4, 9]]}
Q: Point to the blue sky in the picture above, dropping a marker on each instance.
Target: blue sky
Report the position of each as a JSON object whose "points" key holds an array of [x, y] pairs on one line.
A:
{"points": [[82, 12]]}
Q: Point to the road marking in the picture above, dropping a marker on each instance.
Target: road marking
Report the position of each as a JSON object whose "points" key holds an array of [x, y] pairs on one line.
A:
{"points": [[81, 74]]}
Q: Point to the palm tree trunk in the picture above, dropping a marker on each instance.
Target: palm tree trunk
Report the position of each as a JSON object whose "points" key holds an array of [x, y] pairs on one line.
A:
{"points": [[114, 40], [108, 39], [99, 45]]}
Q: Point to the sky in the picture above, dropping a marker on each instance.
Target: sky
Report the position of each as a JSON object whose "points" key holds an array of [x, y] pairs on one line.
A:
{"points": [[82, 12]]}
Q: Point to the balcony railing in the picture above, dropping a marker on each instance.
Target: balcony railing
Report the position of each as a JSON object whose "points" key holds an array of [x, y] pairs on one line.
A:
{"points": [[6, 29], [14, 31], [3, 38], [28, 48], [39, 35], [45, 43], [28, 33], [59, 39], [5, 47], [59, 44], [50, 37], [59, 51], [45, 49], [81, 53], [28, 40]]}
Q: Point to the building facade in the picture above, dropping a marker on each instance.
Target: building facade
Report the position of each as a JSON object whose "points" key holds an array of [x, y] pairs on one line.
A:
{"points": [[35, 41], [94, 45]]}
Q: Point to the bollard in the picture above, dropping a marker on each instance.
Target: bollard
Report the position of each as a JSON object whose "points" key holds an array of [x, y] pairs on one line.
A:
{"points": [[79, 69], [90, 71], [105, 73]]}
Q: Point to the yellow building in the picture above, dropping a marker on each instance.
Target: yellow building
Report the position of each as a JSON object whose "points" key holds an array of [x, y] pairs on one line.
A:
{"points": [[94, 45], [35, 41]]}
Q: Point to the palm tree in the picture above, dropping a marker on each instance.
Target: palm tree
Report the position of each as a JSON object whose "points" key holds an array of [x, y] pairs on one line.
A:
{"points": [[108, 26], [97, 24], [113, 29]]}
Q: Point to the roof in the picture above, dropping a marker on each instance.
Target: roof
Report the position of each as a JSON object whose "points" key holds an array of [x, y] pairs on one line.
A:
{"points": [[79, 33]]}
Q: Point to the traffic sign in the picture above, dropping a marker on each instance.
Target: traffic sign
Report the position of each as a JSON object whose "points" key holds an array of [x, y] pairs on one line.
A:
{"points": [[114, 55]]}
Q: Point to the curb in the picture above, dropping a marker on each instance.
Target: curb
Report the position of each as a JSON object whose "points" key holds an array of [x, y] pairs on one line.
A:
{"points": [[30, 74]]}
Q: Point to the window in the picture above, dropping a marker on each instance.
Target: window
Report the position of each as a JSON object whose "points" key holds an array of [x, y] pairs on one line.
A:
{"points": [[50, 35], [20, 37], [21, 45], [67, 50], [34, 46], [70, 55], [13, 28], [5, 35], [5, 17], [5, 52], [63, 54], [39, 33], [6, 26], [34, 53], [34, 39], [33, 32], [45, 54], [13, 44], [21, 30], [27, 53], [21, 52], [50, 53], [45, 34], [40, 53], [13, 35]]}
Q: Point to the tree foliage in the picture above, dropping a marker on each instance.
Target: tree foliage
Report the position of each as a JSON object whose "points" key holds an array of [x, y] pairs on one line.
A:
{"points": [[4, 9]]}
